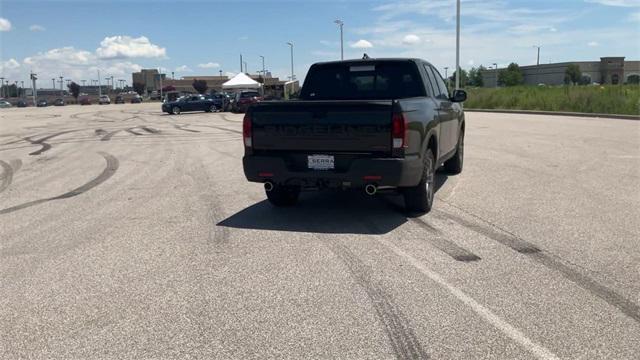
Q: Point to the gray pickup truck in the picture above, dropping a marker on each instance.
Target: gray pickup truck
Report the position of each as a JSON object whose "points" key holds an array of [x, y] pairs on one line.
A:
{"points": [[375, 124]]}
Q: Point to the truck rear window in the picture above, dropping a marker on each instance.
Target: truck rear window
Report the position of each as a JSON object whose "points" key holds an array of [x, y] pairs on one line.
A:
{"points": [[370, 80]]}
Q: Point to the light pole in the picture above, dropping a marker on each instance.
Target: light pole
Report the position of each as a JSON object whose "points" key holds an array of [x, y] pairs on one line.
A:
{"points": [[34, 93], [446, 74], [341, 25], [173, 77], [495, 66], [292, 75], [457, 44], [53, 81], [22, 87], [160, 75], [264, 77], [537, 64], [1, 87]]}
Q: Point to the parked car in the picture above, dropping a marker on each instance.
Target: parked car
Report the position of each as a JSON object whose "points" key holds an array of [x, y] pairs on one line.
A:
{"points": [[136, 100], [189, 103], [104, 100], [58, 102], [22, 103], [42, 103], [119, 99], [4, 104], [84, 100], [243, 100], [369, 124], [221, 101]]}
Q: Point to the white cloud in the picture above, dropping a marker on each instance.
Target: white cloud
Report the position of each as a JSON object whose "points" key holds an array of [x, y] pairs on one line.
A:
{"points": [[361, 44], [76, 64], [9, 68], [66, 55], [209, 65], [592, 43], [36, 27], [635, 17], [411, 39], [184, 69], [244, 37], [618, 3], [123, 47], [10, 64], [5, 25]]}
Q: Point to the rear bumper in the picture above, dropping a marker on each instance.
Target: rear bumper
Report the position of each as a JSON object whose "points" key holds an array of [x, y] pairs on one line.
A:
{"points": [[396, 172]]}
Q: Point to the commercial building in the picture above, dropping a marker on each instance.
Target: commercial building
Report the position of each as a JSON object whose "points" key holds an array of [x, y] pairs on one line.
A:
{"points": [[150, 78], [609, 70]]}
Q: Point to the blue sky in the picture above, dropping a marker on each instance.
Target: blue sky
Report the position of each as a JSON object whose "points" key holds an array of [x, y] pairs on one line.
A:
{"points": [[75, 38]]}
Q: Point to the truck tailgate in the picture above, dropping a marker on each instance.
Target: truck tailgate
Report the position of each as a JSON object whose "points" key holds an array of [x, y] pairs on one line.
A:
{"points": [[323, 126]]}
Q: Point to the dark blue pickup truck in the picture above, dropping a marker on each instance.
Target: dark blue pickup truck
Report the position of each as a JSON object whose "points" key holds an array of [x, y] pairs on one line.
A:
{"points": [[189, 103], [373, 123]]}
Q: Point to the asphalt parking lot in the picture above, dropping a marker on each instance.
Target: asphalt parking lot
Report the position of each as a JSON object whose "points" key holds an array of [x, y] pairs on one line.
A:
{"points": [[128, 233]]}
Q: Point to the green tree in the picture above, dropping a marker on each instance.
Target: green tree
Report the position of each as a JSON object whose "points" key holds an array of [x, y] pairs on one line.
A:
{"points": [[475, 76], [139, 88], [633, 80], [512, 76], [572, 74], [74, 89], [464, 77], [200, 86]]}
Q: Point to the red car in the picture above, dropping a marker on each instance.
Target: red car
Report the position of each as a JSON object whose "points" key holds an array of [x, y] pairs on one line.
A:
{"points": [[243, 99]]}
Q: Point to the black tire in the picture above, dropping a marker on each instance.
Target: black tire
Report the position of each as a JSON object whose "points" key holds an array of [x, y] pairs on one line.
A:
{"points": [[419, 199], [283, 195], [211, 108], [454, 165], [175, 110]]}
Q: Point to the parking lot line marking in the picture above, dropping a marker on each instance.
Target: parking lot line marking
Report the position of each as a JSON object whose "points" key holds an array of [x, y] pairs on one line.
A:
{"points": [[509, 330]]}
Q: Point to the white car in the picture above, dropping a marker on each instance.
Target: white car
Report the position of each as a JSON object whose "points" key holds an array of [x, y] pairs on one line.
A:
{"points": [[104, 99]]}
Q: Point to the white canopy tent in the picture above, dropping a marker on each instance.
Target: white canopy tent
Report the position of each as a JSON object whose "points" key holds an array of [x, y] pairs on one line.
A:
{"points": [[241, 81]]}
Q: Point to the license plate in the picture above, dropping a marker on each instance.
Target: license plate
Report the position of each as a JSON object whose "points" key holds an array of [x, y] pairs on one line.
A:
{"points": [[320, 162]]}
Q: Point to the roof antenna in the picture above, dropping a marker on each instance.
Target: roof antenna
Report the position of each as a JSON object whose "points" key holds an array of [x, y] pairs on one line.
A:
{"points": [[365, 57]]}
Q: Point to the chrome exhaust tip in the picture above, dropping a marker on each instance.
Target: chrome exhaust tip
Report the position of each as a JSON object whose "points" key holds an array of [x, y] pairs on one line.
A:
{"points": [[371, 189], [268, 186]]}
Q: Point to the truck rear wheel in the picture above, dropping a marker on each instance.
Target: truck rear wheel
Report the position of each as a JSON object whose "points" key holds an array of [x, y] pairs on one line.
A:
{"points": [[454, 165], [420, 198], [283, 195]]}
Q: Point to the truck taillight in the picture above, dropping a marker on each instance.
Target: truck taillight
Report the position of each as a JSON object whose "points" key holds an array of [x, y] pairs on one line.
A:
{"points": [[246, 130], [399, 131]]}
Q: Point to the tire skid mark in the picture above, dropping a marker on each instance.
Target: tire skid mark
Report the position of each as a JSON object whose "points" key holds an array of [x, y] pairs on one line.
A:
{"points": [[132, 131], [549, 260], [6, 176], [445, 245], [218, 127], [109, 135], [182, 127], [112, 165], [395, 323], [150, 130], [45, 146]]}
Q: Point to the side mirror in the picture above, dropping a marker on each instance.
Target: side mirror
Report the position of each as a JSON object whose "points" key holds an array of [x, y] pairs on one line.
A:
{"points": [[459, 96]]}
